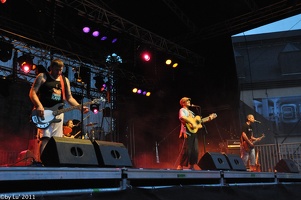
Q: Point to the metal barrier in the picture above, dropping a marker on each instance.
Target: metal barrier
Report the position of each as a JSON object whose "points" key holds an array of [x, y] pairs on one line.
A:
{"points": [[269, 155]]}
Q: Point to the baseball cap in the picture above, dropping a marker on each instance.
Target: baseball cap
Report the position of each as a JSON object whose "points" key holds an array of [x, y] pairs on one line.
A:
{"points": [[183, 100]]}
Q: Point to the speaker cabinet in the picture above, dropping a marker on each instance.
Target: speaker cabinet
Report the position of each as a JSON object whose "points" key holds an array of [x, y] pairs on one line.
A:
{"points": [[235, 162], [69, 152], [112, 154], [214, 161], [286, 165]]}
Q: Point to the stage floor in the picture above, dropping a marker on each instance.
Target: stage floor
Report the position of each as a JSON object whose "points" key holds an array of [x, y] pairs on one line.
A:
{"points": [[39, 181]]}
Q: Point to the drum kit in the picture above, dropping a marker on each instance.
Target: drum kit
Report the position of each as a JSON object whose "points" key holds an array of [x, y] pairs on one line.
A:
{"points": [[92, 134]]}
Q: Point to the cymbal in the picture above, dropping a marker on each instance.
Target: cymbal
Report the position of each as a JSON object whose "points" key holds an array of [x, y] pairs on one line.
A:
{"points": [[91, 124]]}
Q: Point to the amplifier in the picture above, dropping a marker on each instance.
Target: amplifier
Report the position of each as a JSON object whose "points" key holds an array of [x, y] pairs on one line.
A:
{"points": [[233, 144]]}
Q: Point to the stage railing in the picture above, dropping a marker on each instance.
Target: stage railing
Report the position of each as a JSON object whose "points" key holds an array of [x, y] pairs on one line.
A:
{"points": [[270, 154]]}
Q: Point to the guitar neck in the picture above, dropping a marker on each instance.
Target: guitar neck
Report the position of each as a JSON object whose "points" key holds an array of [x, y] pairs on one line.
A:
{"points": [[205, 119], [70, 108]]}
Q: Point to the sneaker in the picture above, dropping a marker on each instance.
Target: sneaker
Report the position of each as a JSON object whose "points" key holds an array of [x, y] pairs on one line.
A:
{"points": [[180, 167]]}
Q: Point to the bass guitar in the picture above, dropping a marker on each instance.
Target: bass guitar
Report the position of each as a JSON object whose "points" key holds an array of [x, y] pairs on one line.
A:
{"points": [[50, 113], [197, 122], [246, 145]]}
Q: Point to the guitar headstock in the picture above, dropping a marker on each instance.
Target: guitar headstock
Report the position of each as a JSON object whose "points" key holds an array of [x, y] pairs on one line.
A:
{"points": [[213, 115], [97, 101]]}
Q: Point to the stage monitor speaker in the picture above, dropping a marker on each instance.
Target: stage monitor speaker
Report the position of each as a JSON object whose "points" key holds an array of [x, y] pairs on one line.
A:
{"points": [[214, 161], [61, 151], [112, 154], [235, 162], [286, 165]]}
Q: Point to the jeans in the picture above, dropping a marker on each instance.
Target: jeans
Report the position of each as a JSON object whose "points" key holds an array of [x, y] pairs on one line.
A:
{"points": [[246, 156]]}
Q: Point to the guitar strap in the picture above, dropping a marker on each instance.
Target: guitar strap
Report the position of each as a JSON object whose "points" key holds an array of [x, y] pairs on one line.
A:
{"points": [[63, 84]]}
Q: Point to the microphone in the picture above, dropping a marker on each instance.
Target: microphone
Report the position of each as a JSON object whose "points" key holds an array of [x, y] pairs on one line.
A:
{"points": [[195, 106], [257, 121]]}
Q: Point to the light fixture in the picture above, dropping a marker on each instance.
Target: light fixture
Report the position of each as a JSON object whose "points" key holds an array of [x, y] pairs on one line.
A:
{"points": [[86, 29], [26, 63], [113, 58], [169, 62], [94, 108], [95, 33], [140, 91], [146, 56], [5, 51], [99, 82]]}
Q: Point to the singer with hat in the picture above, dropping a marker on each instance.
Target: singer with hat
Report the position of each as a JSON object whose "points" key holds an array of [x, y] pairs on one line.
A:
{"points": [[189, 148]]}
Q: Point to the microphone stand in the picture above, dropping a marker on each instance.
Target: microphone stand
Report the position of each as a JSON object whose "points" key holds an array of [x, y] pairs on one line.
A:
{"points": [[157, 153], [203, 124], [82, 109]]}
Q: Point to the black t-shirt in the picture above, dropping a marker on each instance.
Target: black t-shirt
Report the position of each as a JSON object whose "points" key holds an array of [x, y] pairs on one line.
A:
{"points": [[50, 93], [248, 129]]}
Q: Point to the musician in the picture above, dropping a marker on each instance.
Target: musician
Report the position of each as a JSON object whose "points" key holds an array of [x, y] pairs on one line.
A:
{"points": [[68, 129], [247, 140], [50, 89], [189, 150]]}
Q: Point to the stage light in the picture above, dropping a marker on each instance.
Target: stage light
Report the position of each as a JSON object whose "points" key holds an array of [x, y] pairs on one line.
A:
{"points": [[95, 33], [140, 91], [99, 83], [86, 29], [169, 62], [107, 112], [135, 90], [103, 38], [94, 108], [3, 1], [114, 40], [5, 51], [146, 56], [26, 63], [113, 58], [174, 65]]}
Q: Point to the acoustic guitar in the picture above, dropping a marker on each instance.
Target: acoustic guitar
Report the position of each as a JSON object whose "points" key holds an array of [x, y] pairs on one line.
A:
{"points": [[197, 122], [246, 145]]}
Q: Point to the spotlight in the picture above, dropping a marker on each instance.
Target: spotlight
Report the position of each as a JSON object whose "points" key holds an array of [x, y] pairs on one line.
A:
{"points": [[113, 58], [103, 38], [146, 56], [114, 40], [95, 33], [99, 83], [26, 63], [94, 108], [86, 29], [140, 91], [169, 62], [5, 51]]}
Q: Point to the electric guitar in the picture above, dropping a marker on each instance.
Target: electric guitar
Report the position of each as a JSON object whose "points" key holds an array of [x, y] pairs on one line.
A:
{"points": [[246, 145], [197, 122], [50, 113]]}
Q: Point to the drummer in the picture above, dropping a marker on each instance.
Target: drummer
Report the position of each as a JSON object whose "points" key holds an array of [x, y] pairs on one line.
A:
{"points": [[67, 130]]}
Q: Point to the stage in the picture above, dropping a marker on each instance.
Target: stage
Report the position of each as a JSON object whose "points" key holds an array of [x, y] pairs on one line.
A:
{"points": [[39, 182]]}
